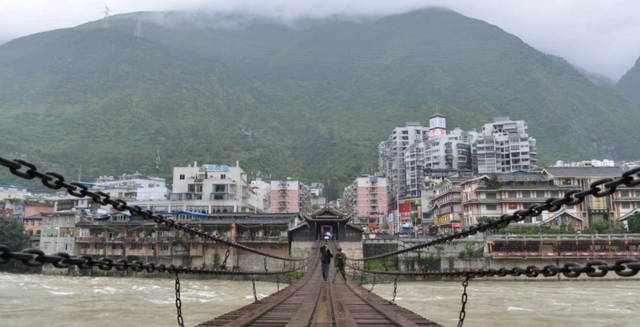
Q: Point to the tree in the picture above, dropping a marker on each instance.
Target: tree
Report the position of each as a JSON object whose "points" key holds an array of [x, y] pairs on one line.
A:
{"points": [[633, 224], [12, 234]]}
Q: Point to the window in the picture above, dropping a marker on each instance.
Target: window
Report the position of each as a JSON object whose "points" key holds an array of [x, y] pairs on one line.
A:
{"points": [[181, 176], [223, 176], [491, 207]]}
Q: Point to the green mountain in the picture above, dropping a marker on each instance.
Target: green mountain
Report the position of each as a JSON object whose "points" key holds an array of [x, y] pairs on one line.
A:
{"points": [[309, 99], [629, 84]]}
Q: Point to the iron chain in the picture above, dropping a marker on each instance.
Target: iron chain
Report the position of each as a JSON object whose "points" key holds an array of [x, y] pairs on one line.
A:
{"points": [[35, 257], [27, 170], [463, 301], [598, 188], [253, 285], [395, 290], [178, 302], [595, 268]]}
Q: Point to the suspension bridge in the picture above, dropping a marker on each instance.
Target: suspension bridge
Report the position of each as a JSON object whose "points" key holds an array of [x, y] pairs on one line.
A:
{"points": [[312, 301]]}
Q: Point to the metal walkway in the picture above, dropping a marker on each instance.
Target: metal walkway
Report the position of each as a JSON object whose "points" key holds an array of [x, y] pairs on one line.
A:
{"points": [[314, 302]]}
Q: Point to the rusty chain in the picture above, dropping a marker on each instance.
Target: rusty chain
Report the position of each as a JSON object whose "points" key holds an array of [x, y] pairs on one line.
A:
{"points": [[253, 285], [395, 290], [54, 181], [598, 189], [594, 268], [373, 283], [463, 301], [36, 257], [178, 302]]}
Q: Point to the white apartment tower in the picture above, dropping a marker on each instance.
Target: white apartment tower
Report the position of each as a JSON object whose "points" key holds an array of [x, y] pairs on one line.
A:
{"points": [[392, 154], [504, 146]]}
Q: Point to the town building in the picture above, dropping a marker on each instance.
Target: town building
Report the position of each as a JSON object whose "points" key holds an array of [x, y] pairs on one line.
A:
{"points": [[586, 163], [318, 199], [504, 146], [210, 188], [489, 197], [366, 200], [448, 154], [289, 196], [120, 235], [136, 187], [610, 208], [260, 195], [58, 231], [392, 155], [12, 192], [447, 205]]}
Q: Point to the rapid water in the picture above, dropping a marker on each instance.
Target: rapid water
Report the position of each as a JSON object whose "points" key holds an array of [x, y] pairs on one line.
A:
{"points": [[38, 300]]}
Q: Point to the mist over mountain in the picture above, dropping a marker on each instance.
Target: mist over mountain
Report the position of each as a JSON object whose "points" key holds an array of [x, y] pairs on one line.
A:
{"points": [[629, 84], [310, 98]]}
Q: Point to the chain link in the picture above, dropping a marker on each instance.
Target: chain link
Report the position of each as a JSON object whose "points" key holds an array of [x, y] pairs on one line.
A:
{"points": [[35, 257], [373, 283], [395, 290], [594, 268], [27, 170], [463, 301], [253, 284], [178, 302]]}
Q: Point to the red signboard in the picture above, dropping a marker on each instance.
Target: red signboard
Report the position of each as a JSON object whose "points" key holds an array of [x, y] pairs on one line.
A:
{"points": [[405, 209]]}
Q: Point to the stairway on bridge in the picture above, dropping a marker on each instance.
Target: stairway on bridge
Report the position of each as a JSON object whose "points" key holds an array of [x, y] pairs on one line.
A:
{"points": [[314, 302]]}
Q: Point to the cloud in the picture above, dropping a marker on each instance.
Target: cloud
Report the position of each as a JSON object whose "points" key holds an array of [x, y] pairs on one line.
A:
{"points": [[601, 36]]}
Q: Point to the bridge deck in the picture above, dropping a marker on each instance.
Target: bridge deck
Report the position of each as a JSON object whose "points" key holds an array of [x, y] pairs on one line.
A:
{"points": [[313, 302]]}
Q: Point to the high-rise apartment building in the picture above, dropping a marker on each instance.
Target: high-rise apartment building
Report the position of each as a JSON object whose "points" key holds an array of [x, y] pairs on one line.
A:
{"points": [[392, 154], [366, 200], [504, 146], [289, 197]]}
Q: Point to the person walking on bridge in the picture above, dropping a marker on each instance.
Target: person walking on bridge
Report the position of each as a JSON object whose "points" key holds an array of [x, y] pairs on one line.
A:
{"points": [[325, 260], [340, 261]]}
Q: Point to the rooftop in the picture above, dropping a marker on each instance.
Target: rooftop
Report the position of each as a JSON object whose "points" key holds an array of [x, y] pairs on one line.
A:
{"points": [[584, 171]]}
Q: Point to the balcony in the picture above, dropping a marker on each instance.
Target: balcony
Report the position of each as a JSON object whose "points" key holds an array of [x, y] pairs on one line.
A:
{"points": [[185, 196]]}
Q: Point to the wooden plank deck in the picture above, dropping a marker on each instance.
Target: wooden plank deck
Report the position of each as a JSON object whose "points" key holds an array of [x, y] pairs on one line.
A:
{"points": [[314, 302]]}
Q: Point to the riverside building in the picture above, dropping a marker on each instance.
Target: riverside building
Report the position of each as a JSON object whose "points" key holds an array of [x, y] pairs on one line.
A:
{"points": [[209, 188]]}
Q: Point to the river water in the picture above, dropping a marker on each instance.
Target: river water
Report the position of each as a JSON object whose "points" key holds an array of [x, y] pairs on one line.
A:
{"points": [[39, 300]]}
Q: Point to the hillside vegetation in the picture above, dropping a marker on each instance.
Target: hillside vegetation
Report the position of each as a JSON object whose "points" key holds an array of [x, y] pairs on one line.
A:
{"points": [[310, 99]]}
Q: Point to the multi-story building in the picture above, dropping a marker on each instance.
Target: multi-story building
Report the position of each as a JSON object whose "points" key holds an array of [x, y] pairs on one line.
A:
{"points": [[608, 208], [122, 236], [260, 195], [504, 146], [448, 154], [207, 189], [316, 192], [392, 154], [447, 205], [289, 197], [136, 187], [369, 201], [493, 196], [58, 231]]}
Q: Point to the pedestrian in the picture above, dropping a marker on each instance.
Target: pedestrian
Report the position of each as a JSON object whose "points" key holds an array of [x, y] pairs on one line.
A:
{"points": [[325, 260], [340, 261]]}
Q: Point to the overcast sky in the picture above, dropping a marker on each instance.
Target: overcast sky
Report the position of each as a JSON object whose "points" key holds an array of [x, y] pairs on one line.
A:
{"points": [[602, 36]]}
